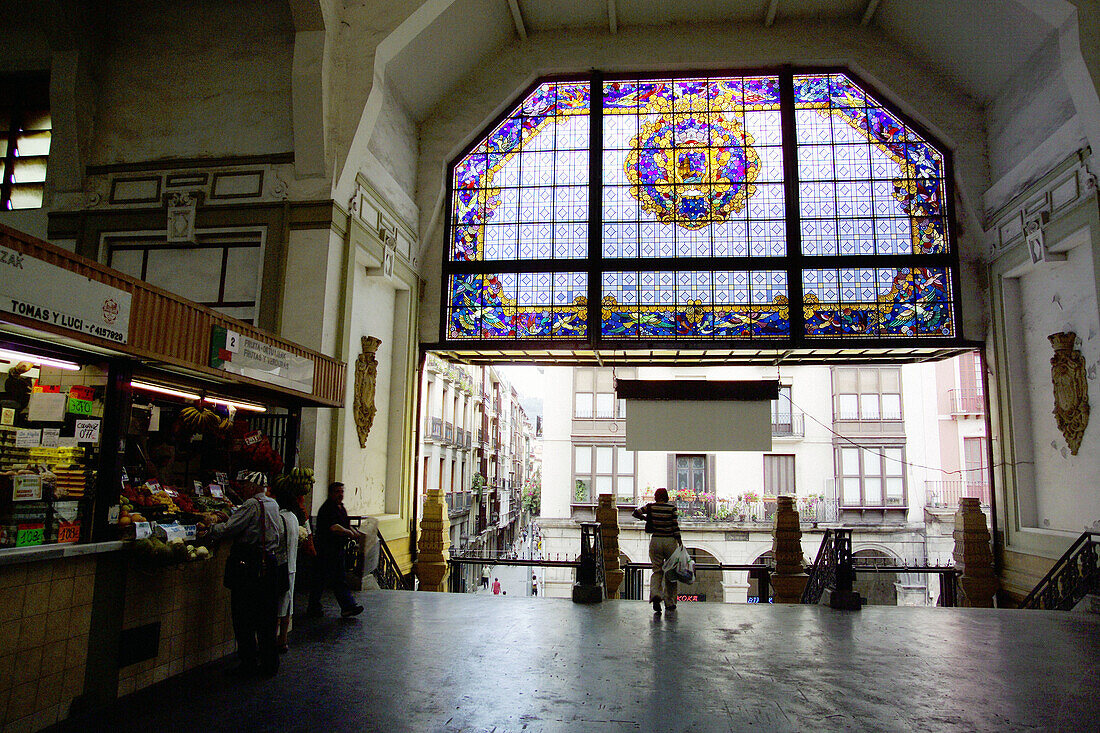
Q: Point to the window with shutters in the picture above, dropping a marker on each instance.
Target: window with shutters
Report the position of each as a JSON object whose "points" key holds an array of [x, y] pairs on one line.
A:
{"points": [[779, 475]]}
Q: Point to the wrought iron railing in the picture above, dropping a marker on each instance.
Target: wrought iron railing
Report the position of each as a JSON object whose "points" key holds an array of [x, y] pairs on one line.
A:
{"points": [[591, 557], [789, 426], [388, 573], [1074, 576], [948, 493], [448, 432], [635, 585], [967, 401], [823, 572], [435, 429]]}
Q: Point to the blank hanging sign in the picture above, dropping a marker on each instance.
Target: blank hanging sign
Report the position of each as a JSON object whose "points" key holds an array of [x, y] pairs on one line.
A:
{"points": [[698, 415]]}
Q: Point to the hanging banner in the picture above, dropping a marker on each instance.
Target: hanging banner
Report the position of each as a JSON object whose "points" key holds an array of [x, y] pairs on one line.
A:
{"points": [[239, 354], [35, 289]]}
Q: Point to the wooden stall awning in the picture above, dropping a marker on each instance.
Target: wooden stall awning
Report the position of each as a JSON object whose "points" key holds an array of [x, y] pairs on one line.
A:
{"points": [[163, 328]]}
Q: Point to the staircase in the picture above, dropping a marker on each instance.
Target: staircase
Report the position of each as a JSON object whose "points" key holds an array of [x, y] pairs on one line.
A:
{"points": [[1074, 576]]}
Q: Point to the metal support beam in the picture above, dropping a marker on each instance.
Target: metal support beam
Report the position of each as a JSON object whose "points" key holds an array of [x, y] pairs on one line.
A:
{"points": [[769, 14], [612, 17], [869, 12], [517, 18]]}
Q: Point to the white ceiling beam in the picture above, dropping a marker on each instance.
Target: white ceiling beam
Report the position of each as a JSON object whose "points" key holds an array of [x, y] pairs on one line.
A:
{"points": [[869, 12], [612, 17], [517, 18], [769, 14]]}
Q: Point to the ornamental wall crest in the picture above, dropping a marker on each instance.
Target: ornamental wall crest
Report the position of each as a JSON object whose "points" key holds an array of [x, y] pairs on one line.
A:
{"points": [[1071, 397], [366, 376]]}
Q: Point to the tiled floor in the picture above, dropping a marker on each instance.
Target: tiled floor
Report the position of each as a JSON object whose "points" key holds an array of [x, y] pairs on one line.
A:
{"points": [[439, 662]]}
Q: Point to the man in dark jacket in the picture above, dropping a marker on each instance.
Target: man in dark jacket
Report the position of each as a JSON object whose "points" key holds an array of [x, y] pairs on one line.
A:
{"points": [[332, 533]]}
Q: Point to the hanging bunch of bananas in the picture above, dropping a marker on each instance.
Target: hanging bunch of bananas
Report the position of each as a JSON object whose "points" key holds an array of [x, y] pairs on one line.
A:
{"points": [[299, 481], [203, 419]]}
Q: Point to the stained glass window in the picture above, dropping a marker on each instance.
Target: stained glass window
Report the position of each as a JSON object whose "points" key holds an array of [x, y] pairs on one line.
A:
{"points": [[762, 208]]}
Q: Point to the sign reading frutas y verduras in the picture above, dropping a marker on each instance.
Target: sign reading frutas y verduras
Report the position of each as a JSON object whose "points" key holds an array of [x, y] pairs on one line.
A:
{"points": [[43, 292], [239, 354]]}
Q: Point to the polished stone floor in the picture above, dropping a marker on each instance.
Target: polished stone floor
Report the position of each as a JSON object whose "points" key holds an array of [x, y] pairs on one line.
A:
{"points": [[438, 662]]}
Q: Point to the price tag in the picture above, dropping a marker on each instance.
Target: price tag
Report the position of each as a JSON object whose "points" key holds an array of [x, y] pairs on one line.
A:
{"points": [[68, 532], [50, 437], [25, 438], [7, 416], [216, 491], [172, 493], [142, 530], [112, 514], [87, 431], [125, 476], [79, 407], [47, 389], [253, 438], [220, 477], [67, 442], [154, 419], [191, 531], [80, 392], [26, 487], [154, 486], [173, 532], [28, 535], [198, 488]]}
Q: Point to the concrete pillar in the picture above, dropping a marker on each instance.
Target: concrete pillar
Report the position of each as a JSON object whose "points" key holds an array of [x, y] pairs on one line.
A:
{"points": [[433, 543], [789, 580], [608, 517], [974, 556]]}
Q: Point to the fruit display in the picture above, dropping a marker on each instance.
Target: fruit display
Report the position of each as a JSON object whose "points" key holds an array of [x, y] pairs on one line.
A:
{"points": [[154, 553], [299, 480]]}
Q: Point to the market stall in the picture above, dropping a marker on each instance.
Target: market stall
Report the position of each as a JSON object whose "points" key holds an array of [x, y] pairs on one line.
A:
{"points": [[127, 414]]}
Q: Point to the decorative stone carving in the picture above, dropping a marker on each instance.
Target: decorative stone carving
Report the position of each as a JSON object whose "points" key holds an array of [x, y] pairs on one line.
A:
{"points": [[435, 529], [182, 206], [608, 517], [974, 556], [1071, 396], [366, 374], [789, 580]]}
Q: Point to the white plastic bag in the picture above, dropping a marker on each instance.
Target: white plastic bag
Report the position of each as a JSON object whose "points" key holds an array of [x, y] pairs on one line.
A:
{"points": [[679, 567]]}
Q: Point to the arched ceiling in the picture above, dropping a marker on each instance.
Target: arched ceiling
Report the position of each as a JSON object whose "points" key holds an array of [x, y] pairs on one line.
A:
{"points": [[978, 45]]}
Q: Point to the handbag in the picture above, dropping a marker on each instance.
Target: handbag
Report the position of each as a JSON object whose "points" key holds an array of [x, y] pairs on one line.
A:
{"points": [[648, 521], [306, 546]]}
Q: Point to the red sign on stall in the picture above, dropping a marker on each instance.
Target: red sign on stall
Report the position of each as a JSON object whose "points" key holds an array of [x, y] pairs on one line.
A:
{"points": [[68, 532], [80, 392]]}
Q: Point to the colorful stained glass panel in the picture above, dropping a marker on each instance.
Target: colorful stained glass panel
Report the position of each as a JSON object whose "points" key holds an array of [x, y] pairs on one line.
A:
{"points": [[884, 302], [857, 160], [518, 306], [693, 155], [695, 304]]}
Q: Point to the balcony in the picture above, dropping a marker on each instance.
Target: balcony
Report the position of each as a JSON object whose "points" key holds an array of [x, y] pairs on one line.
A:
{"points": [[946, 494], [789, 426], [966, 401], [435, 429], [448, 432], [460, 437]]}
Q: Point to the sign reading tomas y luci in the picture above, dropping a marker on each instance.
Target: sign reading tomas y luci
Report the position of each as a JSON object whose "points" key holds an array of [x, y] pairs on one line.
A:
{"points": [[239, 354], [35, 289]]}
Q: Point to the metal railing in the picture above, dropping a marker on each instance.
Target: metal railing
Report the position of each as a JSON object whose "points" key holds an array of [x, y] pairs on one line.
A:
{"points": [[448, 432], [635, 586], [823, 572], [948, 493], [967, 401], [789, 426], [1074, 576], [435, 430], [388, 573]]}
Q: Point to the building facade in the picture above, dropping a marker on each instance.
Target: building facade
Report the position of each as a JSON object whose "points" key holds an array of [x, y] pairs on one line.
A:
{"points": [[885, 451]]}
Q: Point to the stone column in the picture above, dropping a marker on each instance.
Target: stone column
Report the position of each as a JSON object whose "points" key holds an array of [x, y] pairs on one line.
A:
{"points": [[789, 580], [974, 556], [433, 543], [608, 516]]}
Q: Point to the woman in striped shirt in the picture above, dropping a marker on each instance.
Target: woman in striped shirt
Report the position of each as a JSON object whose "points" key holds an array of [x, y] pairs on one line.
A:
{"points": [[660, 521]]}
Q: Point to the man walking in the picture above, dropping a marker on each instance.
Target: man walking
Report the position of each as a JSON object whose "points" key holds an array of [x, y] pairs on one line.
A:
{"points": [[333, 531]]}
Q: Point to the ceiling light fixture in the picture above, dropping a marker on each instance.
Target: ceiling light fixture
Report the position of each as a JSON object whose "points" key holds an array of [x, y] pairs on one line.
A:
{"points": [[234, 403], [16, 356], [145, 386]]}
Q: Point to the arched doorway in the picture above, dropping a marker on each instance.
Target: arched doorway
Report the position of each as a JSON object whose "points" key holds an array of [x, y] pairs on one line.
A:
{"points": [[878, 588], [754, 580], [707, 587]]}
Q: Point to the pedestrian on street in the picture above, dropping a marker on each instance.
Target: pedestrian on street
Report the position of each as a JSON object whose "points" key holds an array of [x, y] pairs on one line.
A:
{"points": [[660, 522], [485, 576], [253, 575], [534, 585], [292, 518], [333, 531], [496, 586]]}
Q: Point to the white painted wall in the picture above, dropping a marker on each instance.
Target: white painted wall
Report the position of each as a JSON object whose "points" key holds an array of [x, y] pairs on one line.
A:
{"points": [[557, 462], [364, 469], [1062, 297], [198, 79]]}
